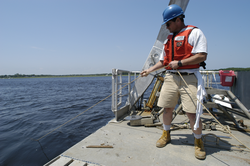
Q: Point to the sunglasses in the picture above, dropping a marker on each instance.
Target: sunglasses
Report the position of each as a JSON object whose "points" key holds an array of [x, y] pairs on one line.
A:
{"points": [[169, 22]]}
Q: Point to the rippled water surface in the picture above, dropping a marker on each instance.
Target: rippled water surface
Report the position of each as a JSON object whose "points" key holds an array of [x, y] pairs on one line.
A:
{"points": [[32, 107]]}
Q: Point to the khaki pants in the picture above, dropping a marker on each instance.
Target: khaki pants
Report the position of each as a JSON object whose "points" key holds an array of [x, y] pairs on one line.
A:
{"points": [[174, 88]]}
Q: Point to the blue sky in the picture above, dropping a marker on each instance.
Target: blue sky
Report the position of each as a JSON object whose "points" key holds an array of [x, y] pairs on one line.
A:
{"points": [[94, 36]]}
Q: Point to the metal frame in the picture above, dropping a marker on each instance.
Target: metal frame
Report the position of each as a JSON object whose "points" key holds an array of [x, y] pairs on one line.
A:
{"points": [[208, 77], [118, 89]]}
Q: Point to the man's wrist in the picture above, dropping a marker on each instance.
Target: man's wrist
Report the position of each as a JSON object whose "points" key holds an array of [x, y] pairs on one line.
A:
{"points": [[179, 63]]}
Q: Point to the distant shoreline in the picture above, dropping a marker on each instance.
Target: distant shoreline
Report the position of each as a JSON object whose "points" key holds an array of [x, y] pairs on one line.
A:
{"points": [[90, 75], [52, 76]]}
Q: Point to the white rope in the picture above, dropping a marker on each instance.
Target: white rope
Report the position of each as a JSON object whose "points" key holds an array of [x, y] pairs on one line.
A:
{"points": [[212, 114]]}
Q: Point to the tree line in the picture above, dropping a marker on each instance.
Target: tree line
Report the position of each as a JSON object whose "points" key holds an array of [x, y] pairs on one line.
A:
{"points": [[17, 75], [237, 69]]}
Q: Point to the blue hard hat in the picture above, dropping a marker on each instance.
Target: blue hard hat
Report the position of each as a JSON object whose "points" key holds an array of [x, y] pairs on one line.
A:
{"points": [[171, 12]]}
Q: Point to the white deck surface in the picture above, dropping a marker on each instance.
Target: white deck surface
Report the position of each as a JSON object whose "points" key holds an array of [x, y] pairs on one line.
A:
{"points": [[136, 146]]}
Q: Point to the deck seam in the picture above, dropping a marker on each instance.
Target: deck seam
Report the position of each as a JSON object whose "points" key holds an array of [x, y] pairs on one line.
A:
{"points": [[89, 162]]}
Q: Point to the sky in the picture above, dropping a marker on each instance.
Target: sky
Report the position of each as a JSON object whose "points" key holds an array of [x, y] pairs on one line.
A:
{"points": [[62, 37]]}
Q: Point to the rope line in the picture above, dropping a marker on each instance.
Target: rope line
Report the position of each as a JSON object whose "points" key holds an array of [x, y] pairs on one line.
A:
{"points": [[43, 150], [212, 114], [85, 110]]}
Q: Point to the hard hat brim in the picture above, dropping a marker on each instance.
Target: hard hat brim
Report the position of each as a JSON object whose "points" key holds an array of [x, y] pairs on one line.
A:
{"points": [[171, 18]]}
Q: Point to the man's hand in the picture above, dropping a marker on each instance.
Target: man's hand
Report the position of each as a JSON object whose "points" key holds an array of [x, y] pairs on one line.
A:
{"points": [[173, 64], [157, 66], [144, 73]]}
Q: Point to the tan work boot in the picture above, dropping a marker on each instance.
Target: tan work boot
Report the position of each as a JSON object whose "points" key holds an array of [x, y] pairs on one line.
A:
{"points": [[165, 138], [199, 149]]}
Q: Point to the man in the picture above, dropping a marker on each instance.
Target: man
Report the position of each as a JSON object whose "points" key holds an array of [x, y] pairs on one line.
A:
{"points": [[185, 49]]}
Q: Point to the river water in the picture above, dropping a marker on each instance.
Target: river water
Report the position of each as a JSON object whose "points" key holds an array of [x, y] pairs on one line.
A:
{"points": [[32, 107]]}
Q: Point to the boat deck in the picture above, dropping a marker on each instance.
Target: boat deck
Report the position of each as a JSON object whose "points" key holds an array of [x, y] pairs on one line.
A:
{"points": [[135, 145]]}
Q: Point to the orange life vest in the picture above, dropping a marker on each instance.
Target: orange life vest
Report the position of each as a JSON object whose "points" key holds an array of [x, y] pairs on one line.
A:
{"points": [[182, 49]]}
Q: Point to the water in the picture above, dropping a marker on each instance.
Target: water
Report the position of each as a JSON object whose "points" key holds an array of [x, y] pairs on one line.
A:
{"points": [[32, 107]]}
